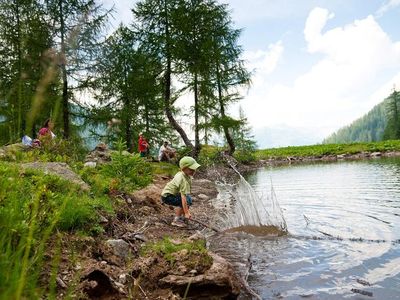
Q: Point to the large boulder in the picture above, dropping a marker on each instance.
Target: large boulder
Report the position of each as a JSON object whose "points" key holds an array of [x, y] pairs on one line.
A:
{"points": [[60, 169], [218, 282]]}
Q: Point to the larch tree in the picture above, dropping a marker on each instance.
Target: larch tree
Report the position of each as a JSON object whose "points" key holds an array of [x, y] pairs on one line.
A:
{"points": [[25, 40], [78, 30], [126, 78], [156, 21]]}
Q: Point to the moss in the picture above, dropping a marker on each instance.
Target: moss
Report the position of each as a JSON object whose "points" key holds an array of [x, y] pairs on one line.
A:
{"points": [[197, 254]]}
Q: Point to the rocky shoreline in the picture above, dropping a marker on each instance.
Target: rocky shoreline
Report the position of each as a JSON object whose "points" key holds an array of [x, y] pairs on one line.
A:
{"points": [[111, 266]]}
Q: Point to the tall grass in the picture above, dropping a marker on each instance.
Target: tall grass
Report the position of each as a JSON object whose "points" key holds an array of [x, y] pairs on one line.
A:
{"points": [[33, 207]]}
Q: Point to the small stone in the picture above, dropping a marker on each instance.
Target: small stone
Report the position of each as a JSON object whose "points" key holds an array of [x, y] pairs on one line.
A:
{"points": [[197, 236], [120, 247], [90, 164], [203, 197], [193, 272], [102, 219], [103, 262], [78, 266], [122, 278]]}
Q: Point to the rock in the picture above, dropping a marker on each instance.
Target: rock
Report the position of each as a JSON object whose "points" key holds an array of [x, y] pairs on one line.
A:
{"points": [[90, 164], [60, 169], [219, 281], [102, 219], [376, 154], [100, 155], [203, 197], [122, 278], [151, 195], [197, 236], [120, 248]]}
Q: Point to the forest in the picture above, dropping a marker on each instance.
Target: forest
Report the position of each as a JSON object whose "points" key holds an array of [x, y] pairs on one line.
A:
{"points": [[380, 123], [60, 59]]}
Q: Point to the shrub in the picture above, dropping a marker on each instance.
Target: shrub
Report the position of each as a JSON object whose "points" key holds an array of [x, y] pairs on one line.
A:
{"points": [[125, 173]]}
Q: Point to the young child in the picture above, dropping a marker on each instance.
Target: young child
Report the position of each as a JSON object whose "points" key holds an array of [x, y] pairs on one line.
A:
{"points": [[176, 192]]}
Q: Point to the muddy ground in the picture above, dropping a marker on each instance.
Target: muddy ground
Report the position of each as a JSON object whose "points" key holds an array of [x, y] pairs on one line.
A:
{"points": [[113, 266]]}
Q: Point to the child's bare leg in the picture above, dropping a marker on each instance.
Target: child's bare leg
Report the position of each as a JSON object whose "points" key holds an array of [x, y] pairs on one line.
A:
{"points": [[179, 211]]}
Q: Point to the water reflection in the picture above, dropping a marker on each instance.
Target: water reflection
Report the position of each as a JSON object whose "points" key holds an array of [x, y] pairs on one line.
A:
{"points": [[347, 201]]}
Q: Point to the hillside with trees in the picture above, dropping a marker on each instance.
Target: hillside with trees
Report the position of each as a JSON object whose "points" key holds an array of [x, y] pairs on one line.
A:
{"points": [[369, 128]]}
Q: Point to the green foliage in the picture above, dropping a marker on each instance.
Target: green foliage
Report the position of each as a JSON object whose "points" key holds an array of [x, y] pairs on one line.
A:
{"points": [[327, 149], [244, 140], [130, 172], [392, 130], [209, 155], [125, 172], [55, 150], [369, 128], [164, 168], [168, 248], [33, 206]]}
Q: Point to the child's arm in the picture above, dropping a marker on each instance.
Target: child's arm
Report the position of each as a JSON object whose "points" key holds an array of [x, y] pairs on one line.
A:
{"points": [[185, 206]]}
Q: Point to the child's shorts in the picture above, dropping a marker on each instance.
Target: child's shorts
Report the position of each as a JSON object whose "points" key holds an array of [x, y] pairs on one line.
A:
{"points": [[176, 200]]}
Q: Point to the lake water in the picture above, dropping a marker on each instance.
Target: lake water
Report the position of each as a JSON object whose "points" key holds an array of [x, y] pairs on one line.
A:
{"points": [[343, 221]]}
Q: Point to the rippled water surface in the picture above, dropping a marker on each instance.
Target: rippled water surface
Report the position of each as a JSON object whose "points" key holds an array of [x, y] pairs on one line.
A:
{"points": [[344, 230]]}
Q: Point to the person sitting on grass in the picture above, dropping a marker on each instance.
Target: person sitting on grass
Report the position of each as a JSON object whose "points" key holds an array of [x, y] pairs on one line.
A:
{"points": [[166, 153], [176, 192], [46, 130]]}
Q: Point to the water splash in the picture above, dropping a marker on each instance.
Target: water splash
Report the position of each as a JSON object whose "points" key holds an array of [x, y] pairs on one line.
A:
{"points": [[244, 208]]}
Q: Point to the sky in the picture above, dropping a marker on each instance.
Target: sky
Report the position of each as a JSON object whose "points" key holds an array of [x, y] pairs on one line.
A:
{"points": [[317, 65]]}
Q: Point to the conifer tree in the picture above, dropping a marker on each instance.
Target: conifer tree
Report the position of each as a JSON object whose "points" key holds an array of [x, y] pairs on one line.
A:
{"points": [[156, 21], [25, 40], [78, 27], [126, 80], [392, 130]]}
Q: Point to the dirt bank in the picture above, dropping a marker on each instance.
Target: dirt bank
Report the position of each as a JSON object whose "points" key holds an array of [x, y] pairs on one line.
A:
{"points": [[113, 265]]}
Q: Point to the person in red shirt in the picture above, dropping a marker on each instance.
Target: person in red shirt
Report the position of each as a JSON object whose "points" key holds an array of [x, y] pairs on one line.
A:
{"points": [[46, 130], [143, 145]]}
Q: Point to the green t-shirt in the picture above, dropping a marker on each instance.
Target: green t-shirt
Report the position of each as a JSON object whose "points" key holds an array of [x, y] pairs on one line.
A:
{"points": [[181, 183]]}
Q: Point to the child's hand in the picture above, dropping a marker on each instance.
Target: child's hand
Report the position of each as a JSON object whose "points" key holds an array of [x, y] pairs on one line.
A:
{"points": [[188, 215]]}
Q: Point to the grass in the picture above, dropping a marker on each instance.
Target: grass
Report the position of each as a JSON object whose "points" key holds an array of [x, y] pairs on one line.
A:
{"points": [[167, 248], [33, 208], [327, 149]]}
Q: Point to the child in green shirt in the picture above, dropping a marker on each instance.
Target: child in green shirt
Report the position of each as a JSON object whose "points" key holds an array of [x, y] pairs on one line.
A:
{"points": [[176, 192]]}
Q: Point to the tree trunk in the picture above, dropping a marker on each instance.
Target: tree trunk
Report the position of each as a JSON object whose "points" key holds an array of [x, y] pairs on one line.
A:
{"points": [[197, 145], [228, 136], [19, 53], [64, 74], [167, 86]]}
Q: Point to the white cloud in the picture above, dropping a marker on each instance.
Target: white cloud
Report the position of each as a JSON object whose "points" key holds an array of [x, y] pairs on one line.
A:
{"points": [[387, 6], [337, 88], [263, 63]]}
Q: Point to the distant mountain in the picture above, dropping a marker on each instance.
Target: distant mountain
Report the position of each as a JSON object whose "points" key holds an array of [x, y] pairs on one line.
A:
{"points": [[368, 128]]}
